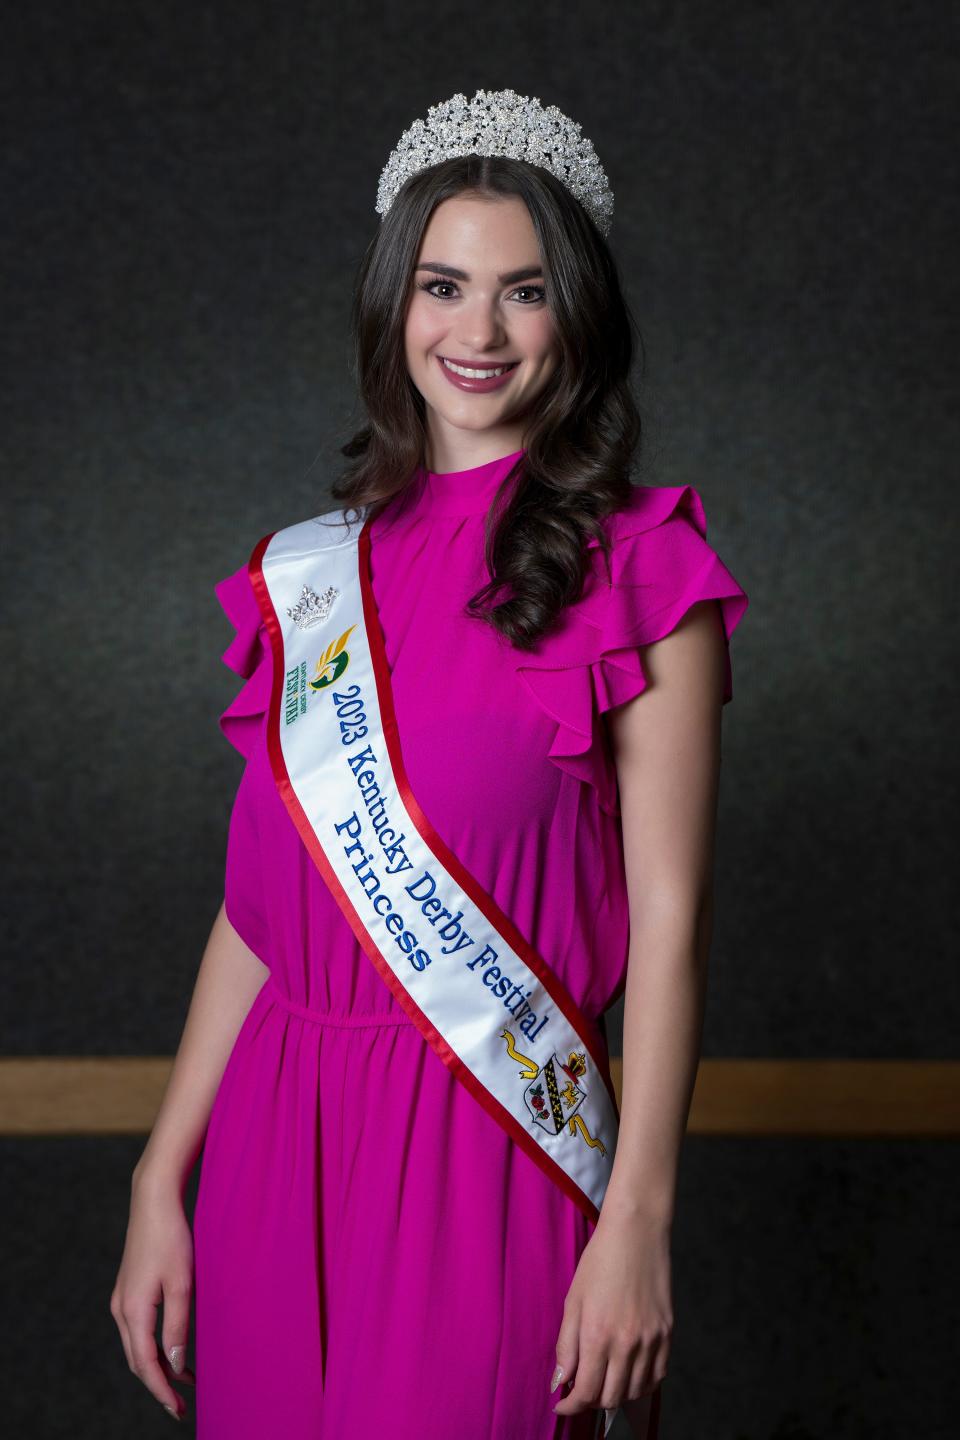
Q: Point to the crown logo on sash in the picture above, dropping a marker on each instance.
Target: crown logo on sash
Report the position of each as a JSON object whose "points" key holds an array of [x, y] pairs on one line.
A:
{"points": [[311, 609]]}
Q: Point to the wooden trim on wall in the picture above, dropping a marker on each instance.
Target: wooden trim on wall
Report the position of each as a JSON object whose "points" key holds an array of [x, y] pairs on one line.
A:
{"points": [[119, 1095]]}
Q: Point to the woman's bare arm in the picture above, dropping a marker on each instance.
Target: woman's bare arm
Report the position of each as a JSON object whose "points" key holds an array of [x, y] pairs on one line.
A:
{"points": [[157, 1264], [667, 748], [227, 982], [618, 1316]]}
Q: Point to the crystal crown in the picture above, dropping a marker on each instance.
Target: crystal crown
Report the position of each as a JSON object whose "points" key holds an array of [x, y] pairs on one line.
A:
{"points": [[501, 122]]}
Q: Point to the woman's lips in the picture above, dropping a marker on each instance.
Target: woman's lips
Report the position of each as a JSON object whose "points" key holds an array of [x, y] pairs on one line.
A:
{"points": [[462, 382]]}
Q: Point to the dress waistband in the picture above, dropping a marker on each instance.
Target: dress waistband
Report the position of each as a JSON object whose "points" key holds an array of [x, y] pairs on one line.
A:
{"points": [[349, 1021]]}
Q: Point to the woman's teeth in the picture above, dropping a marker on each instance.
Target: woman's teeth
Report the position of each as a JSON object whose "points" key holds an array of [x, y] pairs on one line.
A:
{"points": [[476, 374]]}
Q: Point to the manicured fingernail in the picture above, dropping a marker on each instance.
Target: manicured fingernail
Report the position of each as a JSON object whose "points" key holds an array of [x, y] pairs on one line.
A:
{"points": [[176, 1357], [557, 1377], [170, 1411]]}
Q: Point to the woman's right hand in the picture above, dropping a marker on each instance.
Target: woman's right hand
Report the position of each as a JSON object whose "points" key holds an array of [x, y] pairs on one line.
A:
{"points": [[156, 1267]]}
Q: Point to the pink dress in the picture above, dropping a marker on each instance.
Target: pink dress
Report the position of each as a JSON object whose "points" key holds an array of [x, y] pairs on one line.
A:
{"points": [[373, 1254]]}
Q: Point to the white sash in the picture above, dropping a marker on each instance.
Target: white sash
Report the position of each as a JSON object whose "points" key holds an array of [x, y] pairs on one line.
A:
{"points": [[487, 1003]]}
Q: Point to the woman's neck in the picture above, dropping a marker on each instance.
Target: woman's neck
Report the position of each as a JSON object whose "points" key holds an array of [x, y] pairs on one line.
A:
{"points": [[466, 449]]}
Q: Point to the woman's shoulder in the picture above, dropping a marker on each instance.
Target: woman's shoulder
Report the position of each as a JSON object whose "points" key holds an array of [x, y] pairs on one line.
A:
{"points": [[247, 655], [656, 544], [660, 563], [236, 592], [649, 507], [591, 660], [239, 604]]}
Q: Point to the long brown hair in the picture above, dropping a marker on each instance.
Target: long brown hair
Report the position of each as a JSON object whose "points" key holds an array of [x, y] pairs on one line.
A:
{"points": [[584, 427]]}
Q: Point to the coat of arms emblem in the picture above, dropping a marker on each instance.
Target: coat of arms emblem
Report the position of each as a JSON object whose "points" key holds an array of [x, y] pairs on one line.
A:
{"points": [[556, 1092]]}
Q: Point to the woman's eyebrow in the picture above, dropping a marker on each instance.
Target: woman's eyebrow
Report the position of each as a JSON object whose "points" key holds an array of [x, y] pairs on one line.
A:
{"points": [[511, 277]]}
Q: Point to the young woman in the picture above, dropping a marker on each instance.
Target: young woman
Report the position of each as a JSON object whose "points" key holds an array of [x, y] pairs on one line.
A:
{"points": [[481, 724]]}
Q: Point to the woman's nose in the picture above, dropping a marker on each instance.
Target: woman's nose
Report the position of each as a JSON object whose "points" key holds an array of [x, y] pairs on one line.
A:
{"points": [[481, 328]]}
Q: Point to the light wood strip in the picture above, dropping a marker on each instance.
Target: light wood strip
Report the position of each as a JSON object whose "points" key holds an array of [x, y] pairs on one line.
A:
{"points": [[119, 1095], [827, 1097]]}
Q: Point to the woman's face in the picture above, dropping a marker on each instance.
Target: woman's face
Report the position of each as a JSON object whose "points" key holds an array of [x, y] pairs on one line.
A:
{"points": [[478, 300]]}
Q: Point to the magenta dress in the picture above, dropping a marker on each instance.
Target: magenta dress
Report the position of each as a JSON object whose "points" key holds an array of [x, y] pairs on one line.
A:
{"points": [[373, 1254]]}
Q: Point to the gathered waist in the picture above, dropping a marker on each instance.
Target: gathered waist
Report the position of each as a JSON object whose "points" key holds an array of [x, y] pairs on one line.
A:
{"points": [[347, 1019]]}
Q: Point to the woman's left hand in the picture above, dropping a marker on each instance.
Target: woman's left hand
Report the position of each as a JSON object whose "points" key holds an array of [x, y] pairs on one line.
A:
{"points": [[617, 1317]]}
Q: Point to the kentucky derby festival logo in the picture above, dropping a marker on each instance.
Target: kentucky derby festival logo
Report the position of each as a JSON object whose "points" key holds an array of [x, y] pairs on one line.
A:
{"points": [[329, 668], [332, 662]]}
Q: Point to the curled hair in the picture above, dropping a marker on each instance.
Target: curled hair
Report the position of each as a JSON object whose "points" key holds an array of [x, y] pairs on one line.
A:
{"points": [[583, 428]]}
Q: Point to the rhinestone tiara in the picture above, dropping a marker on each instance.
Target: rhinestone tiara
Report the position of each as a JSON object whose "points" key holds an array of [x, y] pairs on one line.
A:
{"points": [[501, 122]]}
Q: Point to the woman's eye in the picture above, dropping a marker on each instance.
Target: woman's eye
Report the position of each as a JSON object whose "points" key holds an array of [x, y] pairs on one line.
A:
{"points": [[430, 285], [537, 291]]}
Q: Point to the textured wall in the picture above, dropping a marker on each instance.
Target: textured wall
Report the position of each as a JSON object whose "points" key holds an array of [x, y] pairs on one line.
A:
{"points": [[187, 192], [191, 190]]}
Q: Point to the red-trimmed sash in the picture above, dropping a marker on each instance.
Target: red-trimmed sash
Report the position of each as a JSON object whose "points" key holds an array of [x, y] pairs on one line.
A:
{"points": [[484, 999]]}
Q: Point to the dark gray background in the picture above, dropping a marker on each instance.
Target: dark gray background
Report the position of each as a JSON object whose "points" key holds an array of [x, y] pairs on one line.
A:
{"points": [[187, 191]]}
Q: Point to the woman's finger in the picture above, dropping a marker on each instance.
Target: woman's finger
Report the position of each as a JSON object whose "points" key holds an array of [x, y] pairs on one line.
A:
{"points": [[648, 1369], [176, 1323], [116, 1311], [587, 1381], [566, 1350], [141, 1318], [186, 1376], [616, 1379]]}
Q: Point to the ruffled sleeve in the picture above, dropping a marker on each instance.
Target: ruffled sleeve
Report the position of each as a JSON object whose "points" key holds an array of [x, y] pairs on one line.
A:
{"points": [[660, 566], [248, 655]]}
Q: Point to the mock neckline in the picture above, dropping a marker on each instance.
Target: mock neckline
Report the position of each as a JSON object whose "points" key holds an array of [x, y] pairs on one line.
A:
{"points": [[463, 492]]}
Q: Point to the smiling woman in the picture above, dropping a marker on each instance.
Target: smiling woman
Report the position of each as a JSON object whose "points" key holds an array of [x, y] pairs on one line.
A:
{"points": [[455, 224], [469, 319], [464, 829], [490, 263]]}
